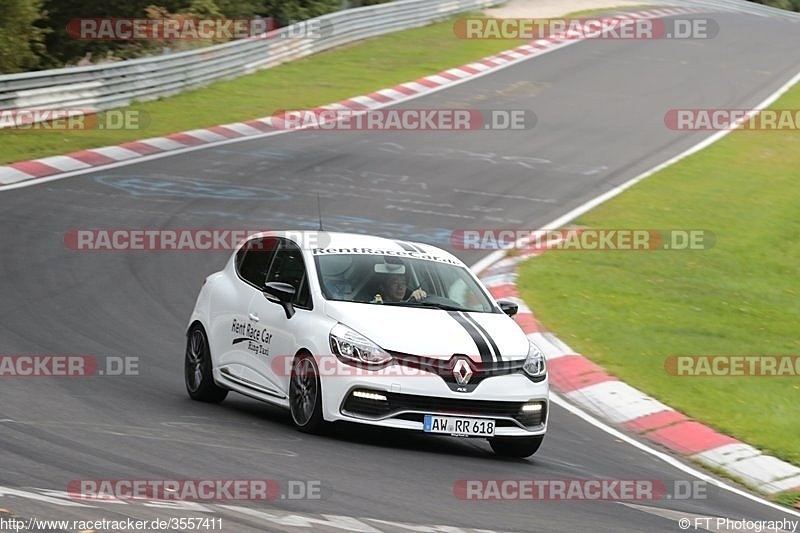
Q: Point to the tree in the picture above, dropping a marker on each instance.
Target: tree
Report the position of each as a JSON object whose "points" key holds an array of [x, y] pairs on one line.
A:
{"points": [[782, 4], [63, 48], [21, 40], [288, 11], [240, 8]]}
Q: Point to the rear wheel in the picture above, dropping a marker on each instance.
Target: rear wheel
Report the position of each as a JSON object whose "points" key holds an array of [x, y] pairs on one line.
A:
{"points": [[305, 395], [516, 446], [198, 371]]}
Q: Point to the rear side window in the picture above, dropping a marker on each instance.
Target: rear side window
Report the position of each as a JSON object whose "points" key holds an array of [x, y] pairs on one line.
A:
{"points": [[288, 267], [254, 258]]}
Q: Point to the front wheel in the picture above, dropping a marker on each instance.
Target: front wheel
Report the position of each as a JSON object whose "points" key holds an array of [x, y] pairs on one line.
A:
{"points": [[516, 446], [305, 395], [198, 371]]}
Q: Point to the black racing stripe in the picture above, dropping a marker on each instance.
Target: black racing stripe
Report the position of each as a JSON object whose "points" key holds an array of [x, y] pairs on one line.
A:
{"points": [[405, 246], [416, 247], [485, 334], [480, 343]]}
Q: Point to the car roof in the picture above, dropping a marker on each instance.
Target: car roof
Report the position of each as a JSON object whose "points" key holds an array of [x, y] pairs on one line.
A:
{"points": [[338, 241]]}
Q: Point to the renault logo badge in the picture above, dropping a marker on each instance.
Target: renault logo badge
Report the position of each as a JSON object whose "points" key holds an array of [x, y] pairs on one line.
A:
{"points": [[462, 372]]}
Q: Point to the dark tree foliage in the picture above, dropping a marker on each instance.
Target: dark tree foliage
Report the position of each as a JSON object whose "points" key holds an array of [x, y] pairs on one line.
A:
{"points": [[240, 8], [290, 11], [21, 40], [33, 33], [61, 48], [793, 5]]}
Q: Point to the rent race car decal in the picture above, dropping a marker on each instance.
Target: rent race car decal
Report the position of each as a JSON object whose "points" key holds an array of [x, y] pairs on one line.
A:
{"points": [[373, 251], [258, 339]]}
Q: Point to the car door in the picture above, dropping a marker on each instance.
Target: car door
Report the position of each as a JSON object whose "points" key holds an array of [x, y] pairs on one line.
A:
{"points": [[279, 334], [232, 328]]}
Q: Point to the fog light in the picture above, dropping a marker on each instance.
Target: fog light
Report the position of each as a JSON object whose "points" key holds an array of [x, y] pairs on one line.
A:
{"points": [[532, 407], [369, 395]]}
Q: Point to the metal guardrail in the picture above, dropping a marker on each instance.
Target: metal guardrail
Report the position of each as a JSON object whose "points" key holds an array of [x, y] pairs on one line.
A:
{"points": [[107, 86]]}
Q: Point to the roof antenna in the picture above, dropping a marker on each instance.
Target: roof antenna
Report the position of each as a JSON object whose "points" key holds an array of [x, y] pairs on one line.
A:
{"points": [[319, 212]]}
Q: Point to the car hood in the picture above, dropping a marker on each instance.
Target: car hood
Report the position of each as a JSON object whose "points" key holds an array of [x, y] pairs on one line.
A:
{"points": [[433, 332]]}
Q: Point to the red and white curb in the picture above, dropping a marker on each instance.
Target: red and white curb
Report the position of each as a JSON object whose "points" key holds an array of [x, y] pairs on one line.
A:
{"points": [[589, 386], [55, 166]]}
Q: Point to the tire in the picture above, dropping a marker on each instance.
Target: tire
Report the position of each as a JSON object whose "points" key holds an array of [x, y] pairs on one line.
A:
{"points": [[198, 370], [305, 395], [516, 447]]}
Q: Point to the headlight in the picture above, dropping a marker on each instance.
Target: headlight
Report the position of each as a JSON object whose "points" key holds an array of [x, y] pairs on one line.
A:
{"points": [[353, 347], [535, 364]]}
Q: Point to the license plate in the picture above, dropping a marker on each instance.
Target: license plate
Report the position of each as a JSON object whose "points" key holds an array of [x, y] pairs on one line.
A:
{"points": [[471, 427]]}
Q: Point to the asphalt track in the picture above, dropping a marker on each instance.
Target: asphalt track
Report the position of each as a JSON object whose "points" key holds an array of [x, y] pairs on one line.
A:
{"points": [[600, 108]]}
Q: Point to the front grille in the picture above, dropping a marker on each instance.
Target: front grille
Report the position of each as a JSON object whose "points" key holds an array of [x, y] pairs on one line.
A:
{"points": [[444, 368], [398, 403]]}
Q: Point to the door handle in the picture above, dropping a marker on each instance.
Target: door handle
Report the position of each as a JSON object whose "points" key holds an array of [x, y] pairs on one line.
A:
{"points": [[253, 317]]}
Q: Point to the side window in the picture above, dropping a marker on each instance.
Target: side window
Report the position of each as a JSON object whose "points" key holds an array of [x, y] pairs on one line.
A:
{"points": [[254, 258], [288, 267]]}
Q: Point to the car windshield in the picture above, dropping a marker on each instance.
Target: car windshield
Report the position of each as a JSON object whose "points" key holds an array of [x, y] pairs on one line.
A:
{"points": [[404, 281]]}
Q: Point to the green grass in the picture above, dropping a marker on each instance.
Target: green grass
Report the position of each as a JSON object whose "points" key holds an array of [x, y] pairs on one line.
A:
{"points": [[629, 311], [348, 71], [789, 498]]}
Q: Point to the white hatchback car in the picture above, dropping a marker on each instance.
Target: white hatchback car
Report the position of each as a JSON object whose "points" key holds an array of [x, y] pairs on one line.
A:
{"points": [[335, 326]]}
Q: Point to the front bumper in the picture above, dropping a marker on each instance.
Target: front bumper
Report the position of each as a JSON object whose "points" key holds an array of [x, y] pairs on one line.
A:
{"points": [[409, 397]]}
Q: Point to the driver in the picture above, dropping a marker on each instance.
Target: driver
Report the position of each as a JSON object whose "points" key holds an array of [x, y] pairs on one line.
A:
{"points": [[394, 287]]}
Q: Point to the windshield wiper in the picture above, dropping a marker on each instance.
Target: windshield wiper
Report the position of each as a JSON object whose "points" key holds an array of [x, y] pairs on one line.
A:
{"points": [[445, 307], [433, 305]]}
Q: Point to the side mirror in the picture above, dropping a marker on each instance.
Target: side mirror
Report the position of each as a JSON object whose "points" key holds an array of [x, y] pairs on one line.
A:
{"points": [[280, 293], [509, 308]]}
